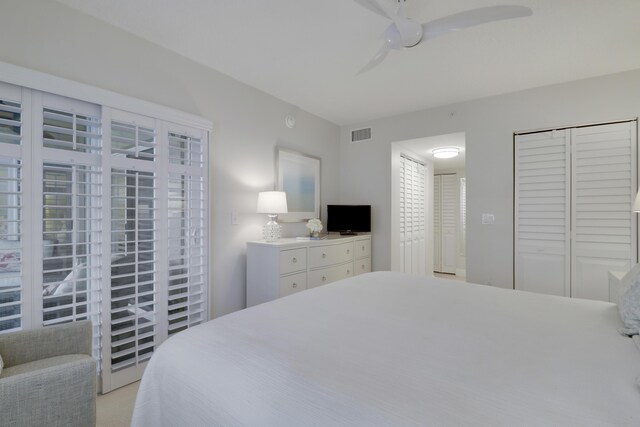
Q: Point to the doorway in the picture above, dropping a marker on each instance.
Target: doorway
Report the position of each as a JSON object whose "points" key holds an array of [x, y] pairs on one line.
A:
{"points": [[421, 242]]}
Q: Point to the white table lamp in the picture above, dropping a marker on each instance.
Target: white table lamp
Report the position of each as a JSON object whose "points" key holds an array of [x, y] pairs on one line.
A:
{"points": [[272, 203]]}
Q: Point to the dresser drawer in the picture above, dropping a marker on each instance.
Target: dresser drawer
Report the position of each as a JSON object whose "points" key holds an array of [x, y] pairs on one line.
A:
{"points": [[321, 256], [363, 248], [362, 266], [330, 274], [292, 284], [293, 260]]}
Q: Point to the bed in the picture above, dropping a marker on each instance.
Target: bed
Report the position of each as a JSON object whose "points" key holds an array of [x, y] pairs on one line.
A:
{"points": [[391, 349]]}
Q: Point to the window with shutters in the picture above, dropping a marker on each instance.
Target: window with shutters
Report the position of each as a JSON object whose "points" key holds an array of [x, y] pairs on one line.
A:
{"points": [[187, 228], [12, 249], [111, 208]]}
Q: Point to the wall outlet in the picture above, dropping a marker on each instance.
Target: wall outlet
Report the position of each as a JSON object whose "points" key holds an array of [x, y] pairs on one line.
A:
{"points": [[488, 219]]}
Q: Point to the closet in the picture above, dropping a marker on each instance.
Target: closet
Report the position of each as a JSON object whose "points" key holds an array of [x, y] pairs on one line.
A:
{"points": [[445, 223], [573, 191]]}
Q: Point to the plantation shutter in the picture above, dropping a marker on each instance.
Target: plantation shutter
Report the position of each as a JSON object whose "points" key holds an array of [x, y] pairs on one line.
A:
{"points": [[88, 194], [14, 274], [187, 248], [135, 236], [68, 166], [604, 187], [542, 212]]}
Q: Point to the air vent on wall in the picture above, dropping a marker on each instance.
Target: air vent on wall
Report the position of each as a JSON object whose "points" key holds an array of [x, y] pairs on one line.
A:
{"points": [[360, 135]]}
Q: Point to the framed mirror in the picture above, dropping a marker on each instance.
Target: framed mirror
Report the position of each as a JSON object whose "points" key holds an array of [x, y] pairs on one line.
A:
{"points": [[299, 176]]}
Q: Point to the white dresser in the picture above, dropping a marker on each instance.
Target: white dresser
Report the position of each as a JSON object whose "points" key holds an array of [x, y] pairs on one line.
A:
{"points": [[281, 268]]}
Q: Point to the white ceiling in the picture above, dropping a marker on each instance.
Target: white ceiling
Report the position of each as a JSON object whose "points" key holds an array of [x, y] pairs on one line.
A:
{"points": [[307, 52]]}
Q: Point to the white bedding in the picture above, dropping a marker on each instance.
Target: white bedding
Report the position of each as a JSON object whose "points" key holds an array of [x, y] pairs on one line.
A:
{"points": [[390, 349]]}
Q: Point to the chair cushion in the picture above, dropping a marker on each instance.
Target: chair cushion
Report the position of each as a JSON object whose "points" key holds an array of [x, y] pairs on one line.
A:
{"points": [[41, 364]]}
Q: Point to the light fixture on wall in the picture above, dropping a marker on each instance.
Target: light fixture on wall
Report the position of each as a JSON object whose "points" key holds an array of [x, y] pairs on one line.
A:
{"points": [[445, 152], [272, 203], [636, 204]]}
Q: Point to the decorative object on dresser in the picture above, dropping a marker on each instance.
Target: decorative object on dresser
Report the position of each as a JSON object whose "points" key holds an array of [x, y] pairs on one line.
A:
{"points": [[298, 175], [315, 227], [272, 203], [287, 266]]}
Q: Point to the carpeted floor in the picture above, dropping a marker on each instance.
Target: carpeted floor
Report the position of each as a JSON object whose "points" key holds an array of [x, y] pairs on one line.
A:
{"points": [[116, 408]]}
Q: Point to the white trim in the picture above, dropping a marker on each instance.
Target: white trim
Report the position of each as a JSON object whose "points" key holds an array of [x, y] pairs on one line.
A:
{"points": [[21, 76]]}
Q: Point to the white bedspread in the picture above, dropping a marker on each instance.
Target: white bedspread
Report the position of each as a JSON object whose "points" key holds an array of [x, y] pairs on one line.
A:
{"points": [[385, 349]]}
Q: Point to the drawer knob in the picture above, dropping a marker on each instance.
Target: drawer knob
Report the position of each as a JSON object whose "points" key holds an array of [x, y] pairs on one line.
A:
{"points": [[348, 271], [348, 250], [363, 266], [324, 255], [324, 279], [363, 248], [295, 285], [294, 260]]}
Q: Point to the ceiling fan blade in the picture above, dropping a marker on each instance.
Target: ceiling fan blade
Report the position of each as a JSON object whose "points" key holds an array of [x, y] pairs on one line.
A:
{"points": [[373, 6], [379, 7], [377, 59], [471, 18]]}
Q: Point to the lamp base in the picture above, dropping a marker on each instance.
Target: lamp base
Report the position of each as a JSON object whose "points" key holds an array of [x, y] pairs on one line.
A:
{"points": [[271, 230]]}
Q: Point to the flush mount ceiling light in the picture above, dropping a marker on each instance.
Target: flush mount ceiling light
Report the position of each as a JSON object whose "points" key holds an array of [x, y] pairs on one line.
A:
{"points": [[445, 152]]}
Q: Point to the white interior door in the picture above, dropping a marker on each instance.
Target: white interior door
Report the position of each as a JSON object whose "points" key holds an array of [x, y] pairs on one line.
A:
{"points": [[412, 217], [573, 220], [437, 223], [603, 188], [542, 212], [445, 223], [449, 228]]}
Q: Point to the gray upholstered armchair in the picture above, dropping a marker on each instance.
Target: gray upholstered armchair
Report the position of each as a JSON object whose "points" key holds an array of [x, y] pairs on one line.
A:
{"points": [[49, 377]]}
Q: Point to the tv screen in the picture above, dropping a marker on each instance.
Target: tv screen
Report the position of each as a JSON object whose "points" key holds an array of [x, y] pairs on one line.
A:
{"points": [[349, 218]]}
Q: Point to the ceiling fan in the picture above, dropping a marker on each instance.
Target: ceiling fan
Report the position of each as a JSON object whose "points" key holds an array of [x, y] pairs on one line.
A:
{"points": [[405, 33]]}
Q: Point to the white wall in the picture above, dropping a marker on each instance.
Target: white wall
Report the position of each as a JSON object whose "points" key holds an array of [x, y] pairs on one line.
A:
{"points": [[248, 124], [489, 125]]}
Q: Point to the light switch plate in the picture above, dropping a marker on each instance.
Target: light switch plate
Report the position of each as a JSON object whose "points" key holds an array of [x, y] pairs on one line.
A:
{"points": [[488, 219]]}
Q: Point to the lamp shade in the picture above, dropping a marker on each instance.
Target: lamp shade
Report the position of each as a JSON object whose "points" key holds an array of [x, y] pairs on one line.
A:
{"points": [[636, 204], [272, 202]]}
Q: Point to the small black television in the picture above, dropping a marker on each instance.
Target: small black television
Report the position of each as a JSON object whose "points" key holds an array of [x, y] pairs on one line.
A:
{"points": [[349, 219]]}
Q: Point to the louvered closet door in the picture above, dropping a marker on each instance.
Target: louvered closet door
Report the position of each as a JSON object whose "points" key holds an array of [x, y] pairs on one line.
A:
{"points": [[437, 223], [420, 236], [449, 226], [412, 217], [542, 212], [604, 186]]}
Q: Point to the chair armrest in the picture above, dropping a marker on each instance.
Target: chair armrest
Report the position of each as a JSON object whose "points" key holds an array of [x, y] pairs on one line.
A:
{"points": [[21, 347]]}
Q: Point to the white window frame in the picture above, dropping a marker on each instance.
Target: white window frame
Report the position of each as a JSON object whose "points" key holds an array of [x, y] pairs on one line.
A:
{"points": [[31, 86]]}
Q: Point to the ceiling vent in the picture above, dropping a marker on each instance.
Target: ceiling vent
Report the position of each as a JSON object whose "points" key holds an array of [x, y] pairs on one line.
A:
{"points": [[360, 135]]}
